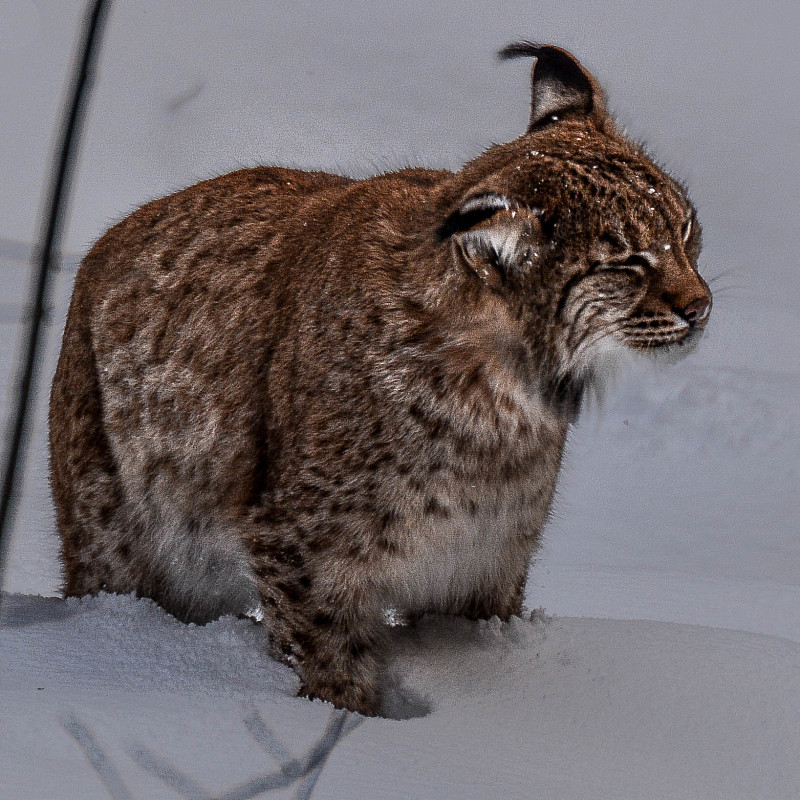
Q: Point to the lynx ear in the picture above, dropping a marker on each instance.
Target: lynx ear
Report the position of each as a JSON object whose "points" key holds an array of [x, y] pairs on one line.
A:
{"points": [[559, 84], [495, 236]]}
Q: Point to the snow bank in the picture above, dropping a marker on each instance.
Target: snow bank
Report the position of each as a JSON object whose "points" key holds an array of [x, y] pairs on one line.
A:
{"points": [[536, 708]]}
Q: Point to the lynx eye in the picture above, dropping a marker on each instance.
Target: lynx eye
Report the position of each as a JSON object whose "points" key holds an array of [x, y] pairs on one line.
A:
{"points": [[687, 230], [637, 263], [634, 263]]}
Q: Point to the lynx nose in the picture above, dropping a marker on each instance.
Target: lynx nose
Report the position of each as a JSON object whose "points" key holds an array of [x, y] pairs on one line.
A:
{"points": [[697, 311]]}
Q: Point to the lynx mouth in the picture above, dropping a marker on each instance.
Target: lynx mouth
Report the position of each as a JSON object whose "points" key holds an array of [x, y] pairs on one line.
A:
{"points": [[675, 340], [656, 341], [657, 332]]}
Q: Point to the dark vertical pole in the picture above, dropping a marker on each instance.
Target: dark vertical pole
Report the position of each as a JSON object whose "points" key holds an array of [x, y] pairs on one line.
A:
{"points": [[45, 262]]}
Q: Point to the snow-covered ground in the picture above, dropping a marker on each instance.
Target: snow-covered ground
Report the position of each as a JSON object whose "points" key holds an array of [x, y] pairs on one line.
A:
{"points": [[679, 505], [538, 708]]}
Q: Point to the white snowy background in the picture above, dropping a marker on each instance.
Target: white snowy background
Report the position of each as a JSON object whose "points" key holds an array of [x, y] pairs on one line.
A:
{"points": [[668, 661]]}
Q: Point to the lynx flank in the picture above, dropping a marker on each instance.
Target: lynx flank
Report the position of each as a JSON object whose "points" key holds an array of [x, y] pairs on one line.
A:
{"points": [[313, 399]]}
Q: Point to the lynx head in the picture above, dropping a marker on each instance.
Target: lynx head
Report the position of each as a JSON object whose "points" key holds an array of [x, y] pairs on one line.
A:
{"points": [[593, 247]]}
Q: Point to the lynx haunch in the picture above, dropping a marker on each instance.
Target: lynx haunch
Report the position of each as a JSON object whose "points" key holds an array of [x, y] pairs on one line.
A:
{"points": [[313, 399]]}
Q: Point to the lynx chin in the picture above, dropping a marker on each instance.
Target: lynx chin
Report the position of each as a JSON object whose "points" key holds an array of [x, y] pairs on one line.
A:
{"points": [[314, 399]]}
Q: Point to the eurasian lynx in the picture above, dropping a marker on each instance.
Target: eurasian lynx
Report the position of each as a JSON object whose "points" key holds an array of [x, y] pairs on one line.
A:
{"points": [[318, 398]]}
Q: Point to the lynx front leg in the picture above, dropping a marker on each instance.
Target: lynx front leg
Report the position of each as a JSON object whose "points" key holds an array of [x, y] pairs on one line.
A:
{"points": [[341, 660], [335, 640]]}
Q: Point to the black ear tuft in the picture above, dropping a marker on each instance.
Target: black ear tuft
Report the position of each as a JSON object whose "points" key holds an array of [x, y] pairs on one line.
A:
{"points": [[559, 84]]}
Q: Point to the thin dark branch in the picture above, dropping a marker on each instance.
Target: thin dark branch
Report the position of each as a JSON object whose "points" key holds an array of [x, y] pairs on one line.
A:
{"points": [[48, 256], [306, 786], [295, 769], [96, 757], [175, 779], [306, 770], [265, 736], [18, 252]]}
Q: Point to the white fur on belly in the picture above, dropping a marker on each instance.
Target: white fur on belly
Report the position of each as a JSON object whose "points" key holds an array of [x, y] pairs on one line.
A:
{"points": [[450, 559]]}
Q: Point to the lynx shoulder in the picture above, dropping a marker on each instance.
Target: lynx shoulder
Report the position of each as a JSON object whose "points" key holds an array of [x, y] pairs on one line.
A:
{"points": [[313, 398]]}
